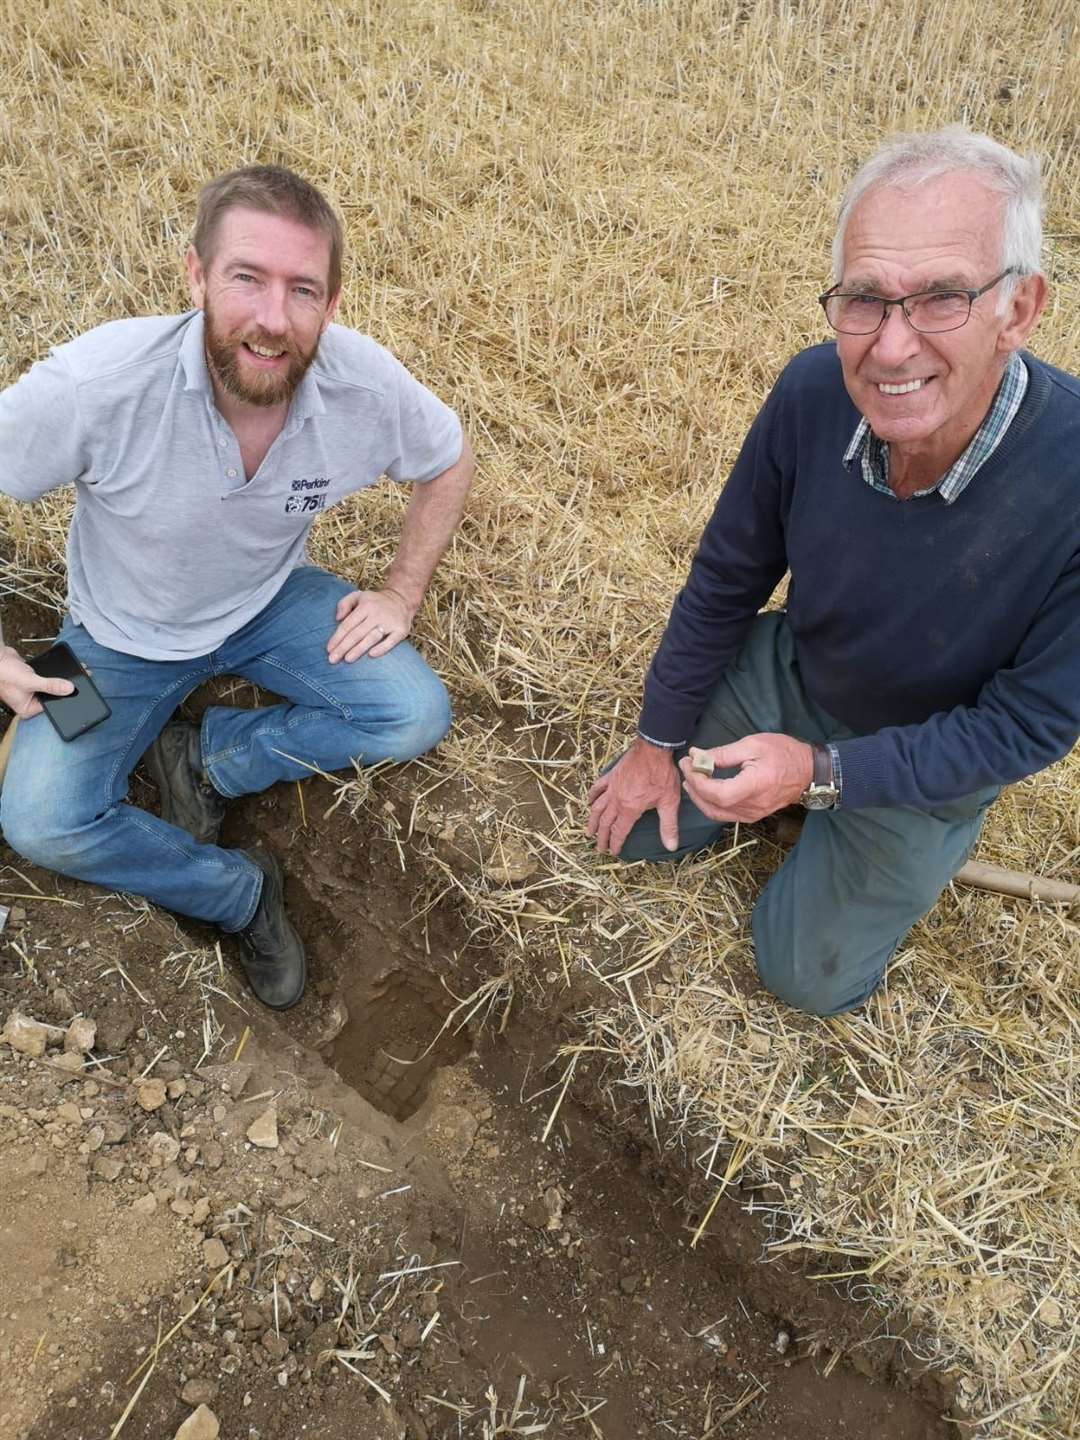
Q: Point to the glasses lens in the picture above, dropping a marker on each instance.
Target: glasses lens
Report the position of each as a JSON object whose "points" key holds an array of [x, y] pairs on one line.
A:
{"points": [[938, 310], [854, 314]]}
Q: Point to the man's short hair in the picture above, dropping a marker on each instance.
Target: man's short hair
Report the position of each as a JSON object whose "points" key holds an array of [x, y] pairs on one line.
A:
{"points": [[276, 191], [905, 161]]}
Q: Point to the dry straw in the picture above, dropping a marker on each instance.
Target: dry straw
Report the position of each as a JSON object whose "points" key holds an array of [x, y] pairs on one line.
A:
{"points": [[598, 227]]}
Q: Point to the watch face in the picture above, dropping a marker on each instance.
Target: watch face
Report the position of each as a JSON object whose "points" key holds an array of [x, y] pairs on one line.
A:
{"points": [[820, 797]]}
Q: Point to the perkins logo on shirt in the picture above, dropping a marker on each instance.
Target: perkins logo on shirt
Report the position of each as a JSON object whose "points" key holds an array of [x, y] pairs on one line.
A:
{"points": [[303, 501]]}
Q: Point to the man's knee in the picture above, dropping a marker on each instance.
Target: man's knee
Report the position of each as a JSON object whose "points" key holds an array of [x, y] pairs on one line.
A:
{"points": [[423, 719], [819, 974], [40, 826]]}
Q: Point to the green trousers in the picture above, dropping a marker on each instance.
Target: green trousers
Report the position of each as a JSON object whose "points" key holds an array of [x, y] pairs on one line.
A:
{"points": [[828, 921]]}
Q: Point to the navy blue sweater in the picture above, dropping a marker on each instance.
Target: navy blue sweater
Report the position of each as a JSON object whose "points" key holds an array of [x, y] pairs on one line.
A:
{"points": [[947, 637]]}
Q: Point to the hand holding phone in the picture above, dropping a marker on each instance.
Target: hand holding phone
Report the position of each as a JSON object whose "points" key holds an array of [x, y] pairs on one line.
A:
{"points": [[20, 686], [78, 709]]}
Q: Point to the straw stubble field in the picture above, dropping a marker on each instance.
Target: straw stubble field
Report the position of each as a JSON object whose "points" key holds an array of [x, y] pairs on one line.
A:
{"points": [[598, 229]]}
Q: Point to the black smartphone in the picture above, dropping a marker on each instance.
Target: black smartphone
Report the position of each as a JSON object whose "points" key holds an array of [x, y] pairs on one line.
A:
{"points": [[78, 712]]}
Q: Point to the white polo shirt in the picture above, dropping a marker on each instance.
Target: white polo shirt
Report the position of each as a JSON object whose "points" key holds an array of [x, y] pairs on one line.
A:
{"points": [[171, 549]]}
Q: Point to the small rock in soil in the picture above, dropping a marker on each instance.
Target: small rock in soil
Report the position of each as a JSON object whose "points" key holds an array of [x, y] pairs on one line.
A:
{"points": [[151, 1094], [263, 1132], [80, 1035], [165, 1146], [25, 1035], [199, 1391], [145, 1204], [201, 1424], [69, 1064], [214, 1254], [276, 1346]]}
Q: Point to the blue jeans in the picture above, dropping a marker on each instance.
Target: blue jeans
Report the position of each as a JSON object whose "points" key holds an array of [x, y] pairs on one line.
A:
{"points": [[829, 920], [62, 805]]}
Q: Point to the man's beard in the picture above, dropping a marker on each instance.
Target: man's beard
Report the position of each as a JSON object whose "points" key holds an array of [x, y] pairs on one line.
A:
{"points": [[249, 385]]}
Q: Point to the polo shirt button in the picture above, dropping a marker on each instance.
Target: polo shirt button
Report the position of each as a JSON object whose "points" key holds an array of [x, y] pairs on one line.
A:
{"points": [[231, 473], [222, 443]]}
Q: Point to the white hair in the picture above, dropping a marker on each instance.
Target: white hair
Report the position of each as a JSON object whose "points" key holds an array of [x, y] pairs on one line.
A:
{"points": [[905, 161]]}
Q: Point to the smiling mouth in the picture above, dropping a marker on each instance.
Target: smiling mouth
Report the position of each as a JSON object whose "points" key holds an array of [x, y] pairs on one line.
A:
{"points": [[907, 388], [263, 352]]}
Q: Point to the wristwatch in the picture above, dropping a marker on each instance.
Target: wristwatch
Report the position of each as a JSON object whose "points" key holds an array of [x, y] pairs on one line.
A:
{"points": [[822, 793]]}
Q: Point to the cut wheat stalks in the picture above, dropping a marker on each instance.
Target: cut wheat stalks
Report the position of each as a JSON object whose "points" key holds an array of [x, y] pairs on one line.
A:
{"points": [[598, 228]]}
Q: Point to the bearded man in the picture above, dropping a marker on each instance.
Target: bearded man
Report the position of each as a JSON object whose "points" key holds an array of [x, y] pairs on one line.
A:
{"points": [[918, 481], [202, 447]]}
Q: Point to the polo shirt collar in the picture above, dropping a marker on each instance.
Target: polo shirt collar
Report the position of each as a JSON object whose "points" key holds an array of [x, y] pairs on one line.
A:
{"points": [[306, 403]]}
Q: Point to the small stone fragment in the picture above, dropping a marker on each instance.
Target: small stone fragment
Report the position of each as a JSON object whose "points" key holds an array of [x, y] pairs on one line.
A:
{"points": [[151, 1095], [145, 1204], [164, 1147], [316, 1290], [63, 1001], [201, 1424], [263, 1132], [69, 1064], [510, 863], [80, 1035], [25, 1035], [214, 1254], [37, 1164], [175, 1089], [276, 1346], [200, 1210], [865, 1113], [199, 1391], [213, 1155], [68, 1112], [1049, 1312], [107, 1169]]}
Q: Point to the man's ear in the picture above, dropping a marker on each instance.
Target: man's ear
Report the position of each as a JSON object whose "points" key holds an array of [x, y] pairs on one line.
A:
{"points": [[1026, 304], [196, 277], [330, 311]]}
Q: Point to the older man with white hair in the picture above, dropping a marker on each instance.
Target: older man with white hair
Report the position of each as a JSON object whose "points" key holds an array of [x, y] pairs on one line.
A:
{"points": [[920, 481]]}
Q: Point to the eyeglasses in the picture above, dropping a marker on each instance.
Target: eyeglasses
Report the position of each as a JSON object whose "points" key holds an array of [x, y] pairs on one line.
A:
{"points": [[931, 312]]}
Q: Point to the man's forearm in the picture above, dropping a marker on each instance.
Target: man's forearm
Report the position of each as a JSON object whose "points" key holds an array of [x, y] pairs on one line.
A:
{"points": [[432, 517]]}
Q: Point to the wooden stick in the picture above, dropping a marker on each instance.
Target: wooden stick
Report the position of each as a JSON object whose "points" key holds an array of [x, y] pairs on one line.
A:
{"points": [[977, 874], [1017, 882]]}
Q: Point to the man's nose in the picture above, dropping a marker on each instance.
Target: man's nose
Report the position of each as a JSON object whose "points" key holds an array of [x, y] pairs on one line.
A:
{"points": [[896, 340], [271, 310]]}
